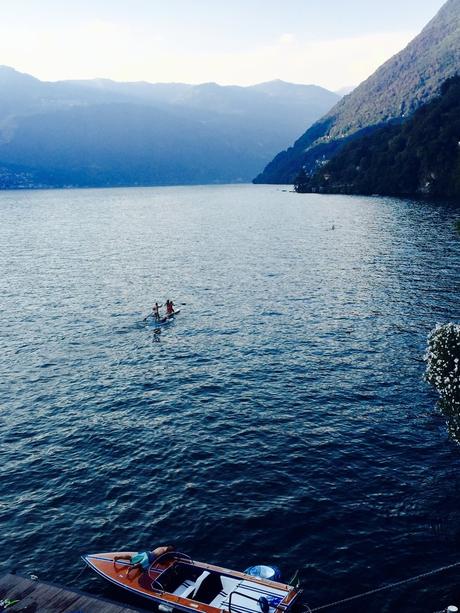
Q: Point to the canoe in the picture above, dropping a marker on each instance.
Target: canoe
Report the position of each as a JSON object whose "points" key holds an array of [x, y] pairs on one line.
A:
{"points": [[177, 582]]}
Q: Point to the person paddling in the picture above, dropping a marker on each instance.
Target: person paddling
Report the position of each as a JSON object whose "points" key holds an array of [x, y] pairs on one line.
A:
{"points": [[169, 307], [156, 311]]}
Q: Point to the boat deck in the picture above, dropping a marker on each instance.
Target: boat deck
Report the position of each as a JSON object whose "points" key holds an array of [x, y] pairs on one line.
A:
{"points": [[40, 597]]}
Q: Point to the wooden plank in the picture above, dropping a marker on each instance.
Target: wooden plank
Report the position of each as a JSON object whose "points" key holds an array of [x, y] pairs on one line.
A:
{"points": [[36, 596], [15, 587], [52, 599], [26, 605]]}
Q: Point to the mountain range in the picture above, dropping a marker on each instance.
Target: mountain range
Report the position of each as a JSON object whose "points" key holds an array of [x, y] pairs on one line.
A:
{"points": [[406, 82], [104, 133]]}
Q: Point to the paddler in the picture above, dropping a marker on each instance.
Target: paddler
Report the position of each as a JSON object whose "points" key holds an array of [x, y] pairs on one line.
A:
{"points": [[169, 307], [156, 311]]}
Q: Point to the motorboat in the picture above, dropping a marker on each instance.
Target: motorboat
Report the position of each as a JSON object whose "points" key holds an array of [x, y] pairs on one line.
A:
{"points": [[176, 582]]}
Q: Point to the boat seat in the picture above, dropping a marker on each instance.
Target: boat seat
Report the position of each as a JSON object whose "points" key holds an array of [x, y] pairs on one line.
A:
{"points": [[185, 589], [247, 593], [228, 585], [198, 582]]}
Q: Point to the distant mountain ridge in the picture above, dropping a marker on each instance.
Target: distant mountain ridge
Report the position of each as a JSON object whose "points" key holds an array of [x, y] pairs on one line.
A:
{"points": [[103, 133], [404, 83]]}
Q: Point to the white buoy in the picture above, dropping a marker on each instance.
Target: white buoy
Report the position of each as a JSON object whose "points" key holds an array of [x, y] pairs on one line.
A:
{"points": [[452, 609]]}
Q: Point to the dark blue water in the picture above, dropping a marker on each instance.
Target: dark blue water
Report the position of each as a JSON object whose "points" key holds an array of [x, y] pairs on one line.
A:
{"points": [[281, 418]]}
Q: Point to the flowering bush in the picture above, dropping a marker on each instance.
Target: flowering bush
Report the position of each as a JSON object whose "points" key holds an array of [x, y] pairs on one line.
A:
{"points": [[443, 362]]}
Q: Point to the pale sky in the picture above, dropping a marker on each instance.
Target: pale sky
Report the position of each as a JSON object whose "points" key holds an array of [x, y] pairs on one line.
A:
{"points": [[333, 43]]}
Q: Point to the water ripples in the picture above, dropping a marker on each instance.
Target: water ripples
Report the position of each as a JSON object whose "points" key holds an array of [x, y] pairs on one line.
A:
{"points": [[281, 417]]}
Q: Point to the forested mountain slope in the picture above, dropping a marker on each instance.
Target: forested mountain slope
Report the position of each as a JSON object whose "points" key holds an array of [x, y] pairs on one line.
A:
{"points": [[420, 156]]}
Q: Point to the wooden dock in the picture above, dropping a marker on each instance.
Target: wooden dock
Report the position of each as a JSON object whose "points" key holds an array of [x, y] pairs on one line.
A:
{"points": [[36, 596]]}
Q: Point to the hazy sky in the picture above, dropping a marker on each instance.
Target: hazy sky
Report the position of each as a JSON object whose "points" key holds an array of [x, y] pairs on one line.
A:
{"points": [[333, 43]]}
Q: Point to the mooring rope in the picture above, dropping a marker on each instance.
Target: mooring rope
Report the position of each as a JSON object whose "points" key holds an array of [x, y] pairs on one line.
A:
{"points": [[382, 588], [81, 572]]}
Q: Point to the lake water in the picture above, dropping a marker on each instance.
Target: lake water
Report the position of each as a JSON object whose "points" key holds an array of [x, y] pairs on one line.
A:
{"points": [[282, 417]]}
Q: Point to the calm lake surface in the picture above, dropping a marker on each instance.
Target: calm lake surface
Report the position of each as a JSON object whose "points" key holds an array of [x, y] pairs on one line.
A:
{"points": [[282, 417]]}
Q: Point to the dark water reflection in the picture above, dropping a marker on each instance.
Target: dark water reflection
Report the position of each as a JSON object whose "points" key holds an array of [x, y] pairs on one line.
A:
{"points": [[282, 418]]}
